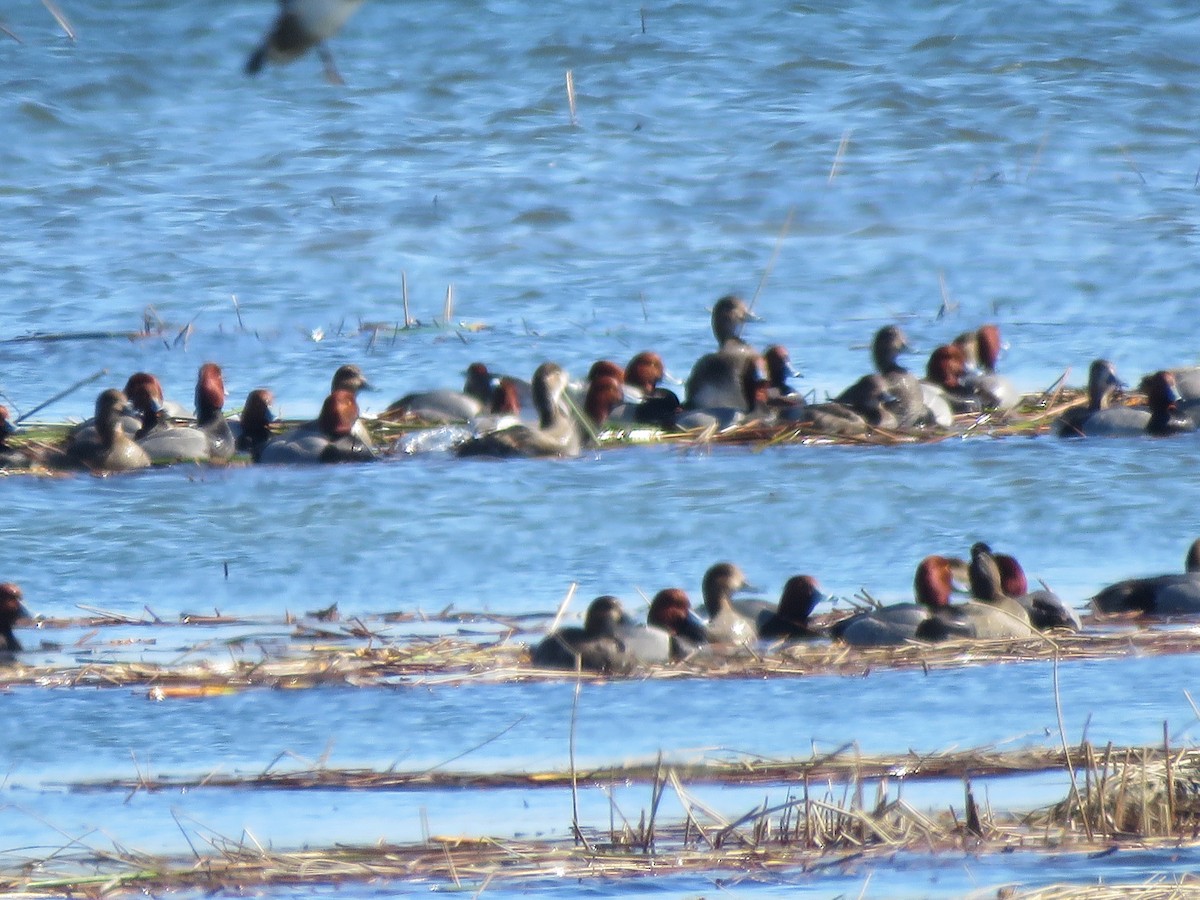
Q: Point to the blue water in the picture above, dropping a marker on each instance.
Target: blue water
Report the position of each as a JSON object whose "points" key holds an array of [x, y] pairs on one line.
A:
{"points": [[1040, 162]]}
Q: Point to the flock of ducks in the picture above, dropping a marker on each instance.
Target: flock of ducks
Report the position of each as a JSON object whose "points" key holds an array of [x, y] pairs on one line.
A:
{"points": [[999, 607], [552, 416]]}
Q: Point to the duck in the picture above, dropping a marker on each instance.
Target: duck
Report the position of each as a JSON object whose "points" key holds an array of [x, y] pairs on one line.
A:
{"points": [[300, 26], [209, 439], [671, 611], [106, 447], [145, 394], [254, 425], [443, 406], [944, 386], [790, 620], [716, 379], [1098, 416], [1160, 595], [555, 434], [873, 410], [1159, 419], [909, 404], [329, 438], [12, 608], [991, 615], [596, 647], [11, 457], [672, 632], [981, 352], [897, 623], [647, 402], [779, 367], [1046, 610], [604, 397], [728, 623]]}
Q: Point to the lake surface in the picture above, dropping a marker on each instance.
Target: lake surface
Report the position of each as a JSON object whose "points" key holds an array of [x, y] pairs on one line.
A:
{"points": [[847, 164]]}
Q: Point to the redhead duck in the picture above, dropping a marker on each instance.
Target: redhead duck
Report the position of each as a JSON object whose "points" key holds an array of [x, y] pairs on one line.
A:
{"points": [[897, 624], [444, 405], [254, 425], [996, 393], [778, 363], [992, 615], [789, 622], [727, 623], [596, 647], [555, 434], [11, 609], [945, 385], [716, 380], [604, 396], [145, 395], [329, 438], [11, 457], [210, 438], [105, 447], [650, 404], [671, 611], [300, 26], [672, 632], [1045, 608], [909, 404], [1160, 595]]}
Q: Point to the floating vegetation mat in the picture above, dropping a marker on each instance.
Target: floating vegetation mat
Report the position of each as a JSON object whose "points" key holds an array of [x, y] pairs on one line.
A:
{"points": [[818, 826], [364, 652]]}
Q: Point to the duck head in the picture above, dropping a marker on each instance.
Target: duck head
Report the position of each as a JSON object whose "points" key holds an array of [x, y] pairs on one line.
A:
{"points": [[886, 348], [350, 378], [603, 396], [800, 596], [605, 616], [729, 314], [645, 371], [210, 392], [933, 582], [721, 582], [671, 610], [547, 386]]}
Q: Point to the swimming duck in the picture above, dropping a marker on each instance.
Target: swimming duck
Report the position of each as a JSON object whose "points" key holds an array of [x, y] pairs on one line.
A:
{"points": [[300, 26], [650, 403], [596, 647], [898, 623], [443, 406], [909, 404], [789, 622], [874, 403], [671, 611], [106, 447], [981, 352], [555, 434], [210, 439], [1045, 608], [1160, 595], [11, 457], [727, 623], [11, 609], [1098, 416], [329, 438], [992, 615], [944, 385], [254, 425], [716, 380], [604, 396]]}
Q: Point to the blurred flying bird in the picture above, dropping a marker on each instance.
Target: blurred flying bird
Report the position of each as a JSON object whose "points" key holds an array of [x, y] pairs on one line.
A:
{"points": [[303, 24]]}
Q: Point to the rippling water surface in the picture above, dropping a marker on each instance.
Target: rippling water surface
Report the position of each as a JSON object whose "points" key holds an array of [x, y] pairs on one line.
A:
{"points": [[851, 164]]}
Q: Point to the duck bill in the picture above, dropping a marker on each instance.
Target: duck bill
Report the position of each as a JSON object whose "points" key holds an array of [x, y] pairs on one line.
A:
{"points": [[693, 629], [23, 612]]}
